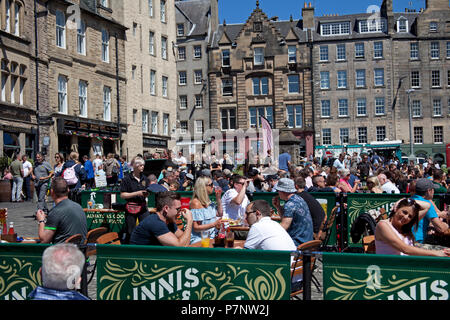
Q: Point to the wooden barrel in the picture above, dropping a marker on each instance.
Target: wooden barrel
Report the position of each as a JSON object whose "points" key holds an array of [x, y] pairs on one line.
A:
{"points": [[5, 191]]}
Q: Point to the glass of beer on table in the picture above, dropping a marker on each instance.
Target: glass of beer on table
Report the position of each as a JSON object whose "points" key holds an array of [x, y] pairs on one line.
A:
{"points": [[205, 239]]}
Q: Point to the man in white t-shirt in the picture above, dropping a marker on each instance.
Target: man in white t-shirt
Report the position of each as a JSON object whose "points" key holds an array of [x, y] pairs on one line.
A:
{"points": [[340, 162], [235, 201], [387, 185], [97, 162], [27, 173], [265, 234]]}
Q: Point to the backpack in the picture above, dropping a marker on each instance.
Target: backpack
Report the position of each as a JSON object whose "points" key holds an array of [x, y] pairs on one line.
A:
{"points": [[70, 176], [363, 225]]}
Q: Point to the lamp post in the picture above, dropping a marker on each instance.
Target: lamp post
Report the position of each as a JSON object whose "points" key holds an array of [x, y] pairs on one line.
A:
{"points": [[411, 142]]}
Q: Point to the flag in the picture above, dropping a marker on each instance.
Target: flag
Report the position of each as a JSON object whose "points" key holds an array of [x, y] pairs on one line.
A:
{"points": [[267, 136]]}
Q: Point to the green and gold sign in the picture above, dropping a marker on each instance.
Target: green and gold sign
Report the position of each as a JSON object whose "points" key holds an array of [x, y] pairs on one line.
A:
{"points": [[166, 273], [19, 269], [382, 277]]}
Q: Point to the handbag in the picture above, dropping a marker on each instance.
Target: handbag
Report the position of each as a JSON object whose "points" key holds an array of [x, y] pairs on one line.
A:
{"points": [[133, 207]]}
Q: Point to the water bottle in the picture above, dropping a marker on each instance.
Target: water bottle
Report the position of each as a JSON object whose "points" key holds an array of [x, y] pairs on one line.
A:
{"points": [[11, 228]]}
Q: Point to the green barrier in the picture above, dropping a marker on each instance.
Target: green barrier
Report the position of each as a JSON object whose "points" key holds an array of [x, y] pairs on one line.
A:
{"points": [[383, 277], [168, 273], [19, 269]]}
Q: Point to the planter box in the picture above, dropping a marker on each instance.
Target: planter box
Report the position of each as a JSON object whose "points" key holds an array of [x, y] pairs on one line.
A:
{"points": [[5, 191]]}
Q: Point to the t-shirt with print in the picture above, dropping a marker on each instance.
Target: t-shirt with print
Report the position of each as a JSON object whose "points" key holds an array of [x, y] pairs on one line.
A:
{"points": [[301, 228], [66, 219]]}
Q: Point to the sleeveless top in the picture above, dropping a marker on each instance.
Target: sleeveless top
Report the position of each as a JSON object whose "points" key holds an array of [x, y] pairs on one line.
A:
{"points": [[385, 248]]}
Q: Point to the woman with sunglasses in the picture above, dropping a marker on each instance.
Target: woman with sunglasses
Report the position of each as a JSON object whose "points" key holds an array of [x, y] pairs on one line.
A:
{"points": [[59, 163], [205, 213], [395, 234]]}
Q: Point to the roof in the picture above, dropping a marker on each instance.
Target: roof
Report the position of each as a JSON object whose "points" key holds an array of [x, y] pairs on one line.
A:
{"points": [[196, 12]]}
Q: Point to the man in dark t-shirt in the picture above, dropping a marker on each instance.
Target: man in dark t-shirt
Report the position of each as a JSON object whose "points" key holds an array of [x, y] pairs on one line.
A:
{"points": [[160, 228], [66, 219]]}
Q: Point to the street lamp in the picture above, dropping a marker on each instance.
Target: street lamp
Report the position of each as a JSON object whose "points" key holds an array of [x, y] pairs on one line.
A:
{"points": [[411, 142]]}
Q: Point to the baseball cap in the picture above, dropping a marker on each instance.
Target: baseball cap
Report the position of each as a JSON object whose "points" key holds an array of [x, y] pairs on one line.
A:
{"points": [[423, 184]]}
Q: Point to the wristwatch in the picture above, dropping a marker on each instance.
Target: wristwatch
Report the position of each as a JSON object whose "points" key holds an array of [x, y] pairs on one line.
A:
{"points": [[41, 221]]}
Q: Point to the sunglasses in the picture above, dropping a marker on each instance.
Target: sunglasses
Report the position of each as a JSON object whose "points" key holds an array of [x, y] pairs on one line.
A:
{"points": [[210, 185]]}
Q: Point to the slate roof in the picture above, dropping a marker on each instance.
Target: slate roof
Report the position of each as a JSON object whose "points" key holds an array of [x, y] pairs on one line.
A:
{"points": [[196, 12]]}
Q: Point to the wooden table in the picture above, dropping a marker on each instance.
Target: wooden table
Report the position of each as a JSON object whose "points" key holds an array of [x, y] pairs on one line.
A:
{"points": [[237, 243]]}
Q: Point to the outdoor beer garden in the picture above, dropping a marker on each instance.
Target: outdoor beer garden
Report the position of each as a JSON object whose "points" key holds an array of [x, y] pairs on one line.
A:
{"points": [[217, 270]]}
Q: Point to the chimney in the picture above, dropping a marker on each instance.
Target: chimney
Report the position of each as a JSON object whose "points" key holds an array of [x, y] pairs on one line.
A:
{"points": [[214, 15], [308, 16], [436, 5], [388, 13]]}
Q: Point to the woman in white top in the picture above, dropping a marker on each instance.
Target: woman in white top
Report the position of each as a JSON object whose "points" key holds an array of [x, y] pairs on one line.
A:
{"points": [[394, 235]]}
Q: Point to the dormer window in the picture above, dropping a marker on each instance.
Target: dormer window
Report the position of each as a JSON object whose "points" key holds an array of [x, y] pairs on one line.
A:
{"points": [[335, 28], [372, 25], [402, 25], [257, 26], [433, 26]]}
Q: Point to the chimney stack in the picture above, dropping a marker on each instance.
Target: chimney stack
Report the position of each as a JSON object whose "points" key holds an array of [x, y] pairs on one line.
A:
{"points": [[308, 16]]}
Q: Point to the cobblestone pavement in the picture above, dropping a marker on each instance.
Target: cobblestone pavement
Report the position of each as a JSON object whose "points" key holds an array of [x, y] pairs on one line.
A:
{"points": [[26, 226]]}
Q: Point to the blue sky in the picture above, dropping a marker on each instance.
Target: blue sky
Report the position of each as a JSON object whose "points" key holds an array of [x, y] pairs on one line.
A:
{"points": [[237, 11]]}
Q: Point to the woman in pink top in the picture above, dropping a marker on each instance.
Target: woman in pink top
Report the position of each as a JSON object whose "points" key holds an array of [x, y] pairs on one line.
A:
{"points": [[394, 235], [344, 185]]}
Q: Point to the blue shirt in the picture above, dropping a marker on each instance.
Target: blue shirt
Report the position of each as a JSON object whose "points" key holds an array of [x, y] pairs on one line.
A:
{"points": [[301, 228], [148, 231], [205, 216], [422, 228], [41, 293], [283, 161], [89, 169]]}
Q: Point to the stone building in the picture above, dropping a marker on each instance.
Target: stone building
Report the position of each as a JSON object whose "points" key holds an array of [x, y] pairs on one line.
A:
{"points": [[196, 21], [151, 73], [262, 68]]}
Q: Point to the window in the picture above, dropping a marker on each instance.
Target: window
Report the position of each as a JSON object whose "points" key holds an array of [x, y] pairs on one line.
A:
{"points": [[340, 52], [372, 25], [295, 115], [134, 28], [151, 43], [292, 54], [17, 8], [180, 29], [402, 25], [257, 26], [362, 135], [134, 115], [342, 79], [82, 98], [379, 106], [323, 53], [198, 77], [152, 82], [182, 79], [227, 87], [343, 135], [324, 80], [225, 58], [326, 136], [199, 101], [343, 108], [414, 50], [150, 8], [62, 94], [435, 78], [415, 79], [181, 53], [361, 107], [437, 108], [359, 50], [4, 81], [228, 118], [434, 50], [257, 112], [60, 29], [81, 38], [336, 28], [183, 127], [381, 133], [107, 103], [293, 84], [183, 102], [13, 89], [154, 123], [197, 52], [448, 50], [258, 56], [144, 121], [433, 26], [418, 135], [164, 86], [8, 16], [379, 77], [260, 86], [105, 46], [416, 108], [325, 107], [448, 78], [104, 3], [162, 10], [378, 50], [21, 91], [166, 124], [198, 126], [164, 48], [438, 134], [360, 78]]}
